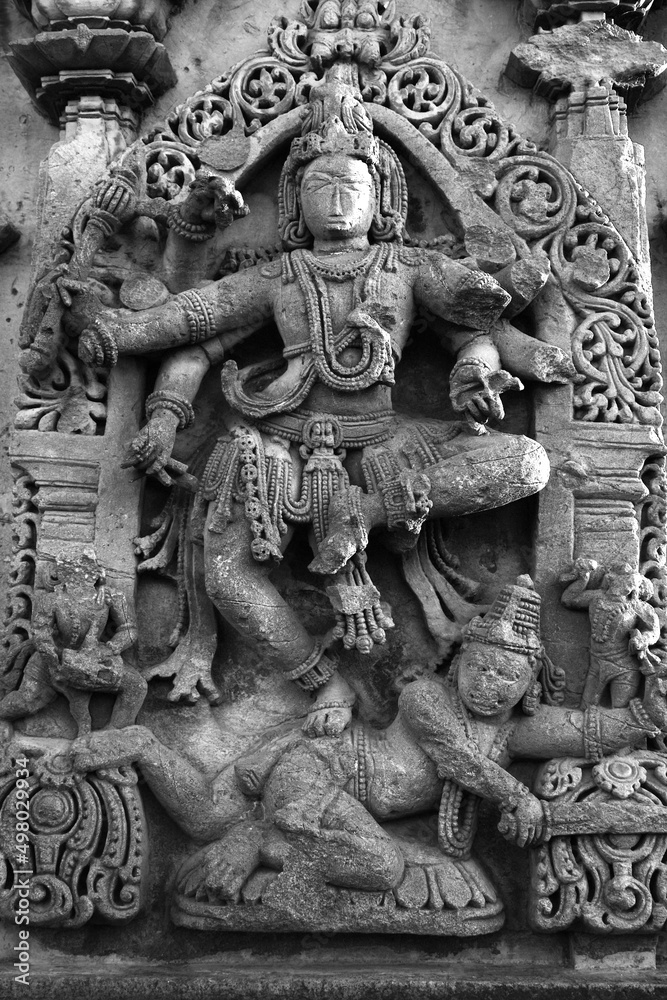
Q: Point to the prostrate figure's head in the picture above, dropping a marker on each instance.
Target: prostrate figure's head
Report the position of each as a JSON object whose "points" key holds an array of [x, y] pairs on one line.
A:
{"points": [[492, 679], [502, 661]]}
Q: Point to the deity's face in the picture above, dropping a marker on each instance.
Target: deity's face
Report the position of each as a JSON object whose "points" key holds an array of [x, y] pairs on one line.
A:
{"points": [[491, 679], [337, 197]]}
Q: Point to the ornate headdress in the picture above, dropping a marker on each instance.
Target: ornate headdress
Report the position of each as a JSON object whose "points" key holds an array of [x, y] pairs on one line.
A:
{"points": [[337, 121], [513, 622]]}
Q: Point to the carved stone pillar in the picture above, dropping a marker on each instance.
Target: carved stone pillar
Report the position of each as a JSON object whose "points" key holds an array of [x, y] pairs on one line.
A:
{"points": [[587, 62]]}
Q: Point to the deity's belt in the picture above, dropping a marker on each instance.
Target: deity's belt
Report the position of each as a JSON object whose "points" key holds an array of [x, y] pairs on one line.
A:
{"points": [[354, 430]]}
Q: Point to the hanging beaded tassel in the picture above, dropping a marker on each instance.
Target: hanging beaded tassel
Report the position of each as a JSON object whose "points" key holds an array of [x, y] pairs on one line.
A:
{"points": [[360, 619]]}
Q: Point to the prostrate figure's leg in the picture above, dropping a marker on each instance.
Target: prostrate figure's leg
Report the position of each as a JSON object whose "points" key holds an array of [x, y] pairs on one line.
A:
{"points": [[202, 807], [34, 692], [331, 827]]}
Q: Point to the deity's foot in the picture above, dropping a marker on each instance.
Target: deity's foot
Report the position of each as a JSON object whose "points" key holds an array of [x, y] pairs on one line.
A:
{"points": [[331, 712]]}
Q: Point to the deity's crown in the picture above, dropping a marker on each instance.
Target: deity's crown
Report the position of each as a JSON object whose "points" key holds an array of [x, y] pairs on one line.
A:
{"points": [[333, 137], [513, 621]]}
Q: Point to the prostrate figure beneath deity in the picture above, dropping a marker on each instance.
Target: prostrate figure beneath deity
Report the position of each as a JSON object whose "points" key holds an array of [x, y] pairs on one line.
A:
{"points": [[320, 444], [327, 802]]}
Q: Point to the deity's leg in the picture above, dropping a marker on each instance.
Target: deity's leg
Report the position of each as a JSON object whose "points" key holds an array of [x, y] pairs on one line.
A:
{"points": [[484, 473], [494, 470], [240, 588]]}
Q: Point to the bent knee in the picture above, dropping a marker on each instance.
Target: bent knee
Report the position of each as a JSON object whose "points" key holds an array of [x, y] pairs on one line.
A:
{"points": [[384, 870], [422, 700]]}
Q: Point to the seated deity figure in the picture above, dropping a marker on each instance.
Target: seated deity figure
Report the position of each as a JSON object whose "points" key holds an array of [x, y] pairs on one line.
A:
{"points": [[333, 799], [316, 441]]}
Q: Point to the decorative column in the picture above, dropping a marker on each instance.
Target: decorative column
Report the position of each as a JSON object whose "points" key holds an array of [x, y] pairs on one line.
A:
{"points": [[591, 66], [92, 68], [607, 489]]}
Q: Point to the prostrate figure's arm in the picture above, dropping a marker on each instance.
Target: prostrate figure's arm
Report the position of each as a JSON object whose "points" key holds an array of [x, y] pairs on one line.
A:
{"points": [[426, 710], [593, 733]]}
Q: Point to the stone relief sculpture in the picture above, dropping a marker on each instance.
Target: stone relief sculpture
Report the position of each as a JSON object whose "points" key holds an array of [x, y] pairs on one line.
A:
{"points": [[344, 695]]}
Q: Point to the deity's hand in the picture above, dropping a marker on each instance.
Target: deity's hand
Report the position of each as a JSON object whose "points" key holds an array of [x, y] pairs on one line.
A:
{"points": [[212, 199], [151, 449], [117, 195], [475, 391], [522, 822], [84, 316]]}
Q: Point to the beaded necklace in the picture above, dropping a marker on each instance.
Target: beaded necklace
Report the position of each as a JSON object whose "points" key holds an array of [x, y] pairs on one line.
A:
{"points": [[376, 363]]}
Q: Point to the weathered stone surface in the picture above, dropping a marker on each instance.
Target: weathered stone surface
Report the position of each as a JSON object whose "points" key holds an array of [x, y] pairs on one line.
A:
{"points": [[353, 809], [592, 52]]}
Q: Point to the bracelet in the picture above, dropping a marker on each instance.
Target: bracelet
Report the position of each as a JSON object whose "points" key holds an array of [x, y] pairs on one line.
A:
{"points": [[172, 401], [311, 674], [593, 748], [469, 362], [199, 314], [195, 232], [642, 717], [98, 348]]}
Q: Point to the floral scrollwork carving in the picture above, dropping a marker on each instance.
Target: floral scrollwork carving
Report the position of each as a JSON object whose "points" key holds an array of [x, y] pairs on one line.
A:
{"points": [[16, 640], [169, 171], [614, 347], [288, 41], [611, 882], [263, 89], [71, 399], [210, 114], [423, 91], [84, 847], [473, 128], [652, 517], [535, 195]]}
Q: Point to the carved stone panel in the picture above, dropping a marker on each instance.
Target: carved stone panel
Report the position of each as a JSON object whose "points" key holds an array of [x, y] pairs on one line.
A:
{"points": [[380, 577]]}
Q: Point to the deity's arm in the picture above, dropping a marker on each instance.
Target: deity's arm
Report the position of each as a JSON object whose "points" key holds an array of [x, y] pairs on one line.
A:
{"points": [[239, 301], [564, 732], [458, 294]]}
